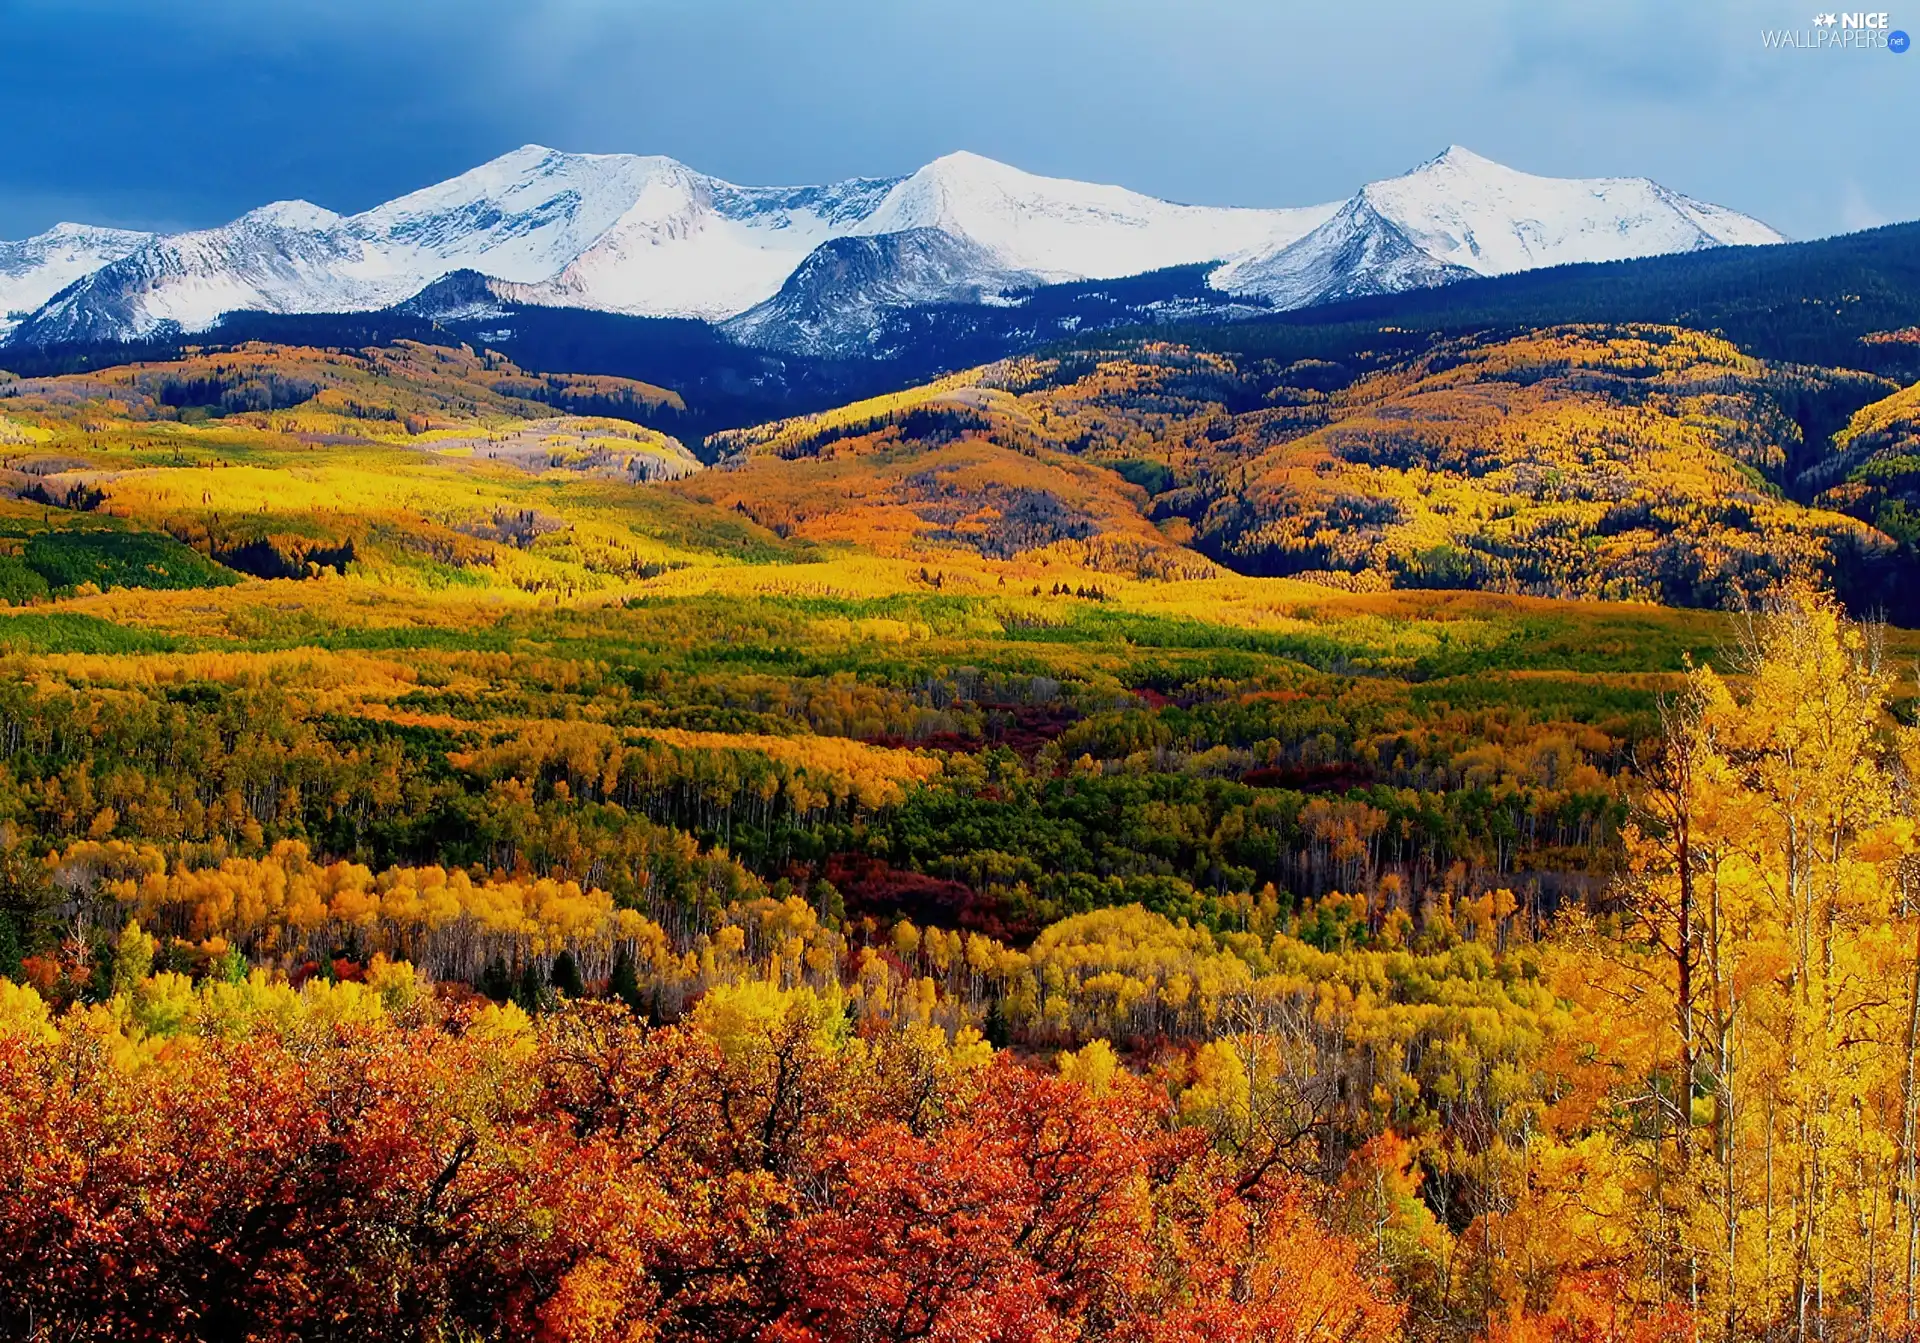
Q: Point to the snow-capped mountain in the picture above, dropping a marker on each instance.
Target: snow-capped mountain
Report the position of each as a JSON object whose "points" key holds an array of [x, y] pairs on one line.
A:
{"points": [[1460, 215], [964, 228], [817, 269], [35, 269], [288, 247], [689, 245]]}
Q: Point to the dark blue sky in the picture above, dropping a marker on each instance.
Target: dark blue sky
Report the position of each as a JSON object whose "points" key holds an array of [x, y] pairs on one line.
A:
{"points": [[175, 113]]}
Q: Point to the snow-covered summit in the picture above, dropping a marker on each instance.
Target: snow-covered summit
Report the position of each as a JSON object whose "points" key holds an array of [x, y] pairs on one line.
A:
{"points": [[292, 215], [1470, 211]]}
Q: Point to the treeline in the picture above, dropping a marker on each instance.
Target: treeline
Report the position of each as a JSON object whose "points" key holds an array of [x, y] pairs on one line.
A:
{"points": [[1287, 1074], [95, 556], [1597, 461]]}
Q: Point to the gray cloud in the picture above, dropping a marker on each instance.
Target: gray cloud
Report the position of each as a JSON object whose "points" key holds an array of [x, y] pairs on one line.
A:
{"points": [[132, 111]]}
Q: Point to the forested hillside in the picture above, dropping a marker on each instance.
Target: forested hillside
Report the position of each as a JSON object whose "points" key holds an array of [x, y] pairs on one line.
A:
{"points": [[1647, 463]]}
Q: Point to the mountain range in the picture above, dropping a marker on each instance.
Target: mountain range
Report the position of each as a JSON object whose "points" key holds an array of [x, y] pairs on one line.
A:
{"points": [[828, 270]]}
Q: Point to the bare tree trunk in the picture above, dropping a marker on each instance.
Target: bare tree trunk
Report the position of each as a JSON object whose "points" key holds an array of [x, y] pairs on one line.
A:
{"points": [[1910, 1119]]}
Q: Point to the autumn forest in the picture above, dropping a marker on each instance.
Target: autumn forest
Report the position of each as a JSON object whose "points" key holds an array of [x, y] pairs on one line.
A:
{"points": [[1138, 842]]}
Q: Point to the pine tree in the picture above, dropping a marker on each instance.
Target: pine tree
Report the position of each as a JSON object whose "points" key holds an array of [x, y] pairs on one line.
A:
{"points": [[25, 903], [829, 903]]}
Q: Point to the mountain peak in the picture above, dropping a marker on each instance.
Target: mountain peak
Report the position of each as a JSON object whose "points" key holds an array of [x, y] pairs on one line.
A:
{"points": [[1459, 156], [1055, 228], [966, 162], [296, 214], [536, 154], [1457, 162], [534, 174], [66, 229], [34, 270], [964, 174]]}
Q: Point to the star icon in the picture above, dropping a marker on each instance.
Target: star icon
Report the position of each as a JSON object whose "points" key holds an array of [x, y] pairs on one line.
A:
{"points": [[1824, 20]]}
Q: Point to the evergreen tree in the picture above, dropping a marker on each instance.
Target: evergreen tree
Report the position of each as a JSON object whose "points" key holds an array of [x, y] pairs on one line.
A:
{"points": [[531, 994], [25, 903], [230, 968], [625, 983], [566, 976], [132, 958], [829, 904], [994, 1029], [495, 981]]}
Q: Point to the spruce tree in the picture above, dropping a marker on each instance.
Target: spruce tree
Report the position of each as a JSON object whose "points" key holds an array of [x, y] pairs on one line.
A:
{"points": [[26, 900]]}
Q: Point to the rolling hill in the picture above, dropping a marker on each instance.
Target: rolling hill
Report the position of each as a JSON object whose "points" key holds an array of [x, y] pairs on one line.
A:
{"points": [[1587, 460]]}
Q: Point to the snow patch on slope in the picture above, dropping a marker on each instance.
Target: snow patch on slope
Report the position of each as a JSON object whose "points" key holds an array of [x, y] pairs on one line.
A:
{"points": [[836, 301]]}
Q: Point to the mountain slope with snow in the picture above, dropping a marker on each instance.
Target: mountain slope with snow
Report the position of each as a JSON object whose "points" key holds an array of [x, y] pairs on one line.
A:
{"points": [[35, 269], [1459, 215], [649, 236], [835, 302]]}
